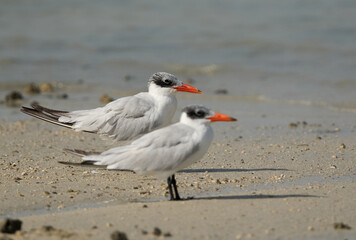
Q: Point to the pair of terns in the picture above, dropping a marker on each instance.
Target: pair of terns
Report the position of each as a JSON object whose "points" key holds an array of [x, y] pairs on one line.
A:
{"points": [[163, 150]]}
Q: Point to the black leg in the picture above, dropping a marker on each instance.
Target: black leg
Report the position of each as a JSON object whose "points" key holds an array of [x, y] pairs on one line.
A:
{"points": [[169, 182], [174, 183]]}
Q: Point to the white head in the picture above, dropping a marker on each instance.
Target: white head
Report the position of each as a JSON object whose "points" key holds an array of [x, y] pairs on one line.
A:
{"points": [[197, 114], [163, 83]]}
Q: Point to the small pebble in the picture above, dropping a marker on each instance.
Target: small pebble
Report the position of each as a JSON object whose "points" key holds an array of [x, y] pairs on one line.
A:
{"points": [[62, 96], [167, 234], [341, 225], [221, 91], [217, 181], [10, 225], [106, 99], [13, 99], [32, 88], [127, 78], [117, 235], [46, 87], [47, 228], [157, 232], [342, 146]]}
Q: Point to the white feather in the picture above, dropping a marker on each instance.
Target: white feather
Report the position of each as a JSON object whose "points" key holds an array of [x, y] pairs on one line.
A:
{"points": [[163, 151]]}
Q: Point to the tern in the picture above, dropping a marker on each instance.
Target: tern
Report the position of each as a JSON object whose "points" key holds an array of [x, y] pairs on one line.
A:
{"points": [[125, 118], [162, 152]]}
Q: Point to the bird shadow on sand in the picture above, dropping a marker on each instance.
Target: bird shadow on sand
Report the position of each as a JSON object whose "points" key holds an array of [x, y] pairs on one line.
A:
{"points": [[259, 196], [217, 170]]}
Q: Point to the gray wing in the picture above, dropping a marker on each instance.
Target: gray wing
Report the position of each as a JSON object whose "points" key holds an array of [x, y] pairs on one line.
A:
{"points": [[123, 119], [159, 151]]}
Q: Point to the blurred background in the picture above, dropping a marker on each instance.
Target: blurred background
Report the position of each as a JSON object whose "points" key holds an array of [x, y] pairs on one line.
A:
{"points": [[292, 51]]}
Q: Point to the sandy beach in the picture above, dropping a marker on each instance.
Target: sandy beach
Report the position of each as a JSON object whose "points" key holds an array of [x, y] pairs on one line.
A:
{"points": [[286, 70], [264, 177]]}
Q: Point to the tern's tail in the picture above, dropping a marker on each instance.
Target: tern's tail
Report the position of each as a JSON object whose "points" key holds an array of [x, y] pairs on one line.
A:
{"points": [[80, 153], [86, 163], [46, 114]]}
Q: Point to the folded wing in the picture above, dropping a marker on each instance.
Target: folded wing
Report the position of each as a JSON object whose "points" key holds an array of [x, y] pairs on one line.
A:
{"points": [[160, 151], [123, 119]]}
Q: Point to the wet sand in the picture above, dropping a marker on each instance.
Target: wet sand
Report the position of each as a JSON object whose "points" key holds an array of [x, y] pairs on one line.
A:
{"points": [[264, 177]]}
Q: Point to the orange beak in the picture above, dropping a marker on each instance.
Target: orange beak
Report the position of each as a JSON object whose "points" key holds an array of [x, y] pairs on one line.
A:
{"points": [[222, 117], [188, 88]]}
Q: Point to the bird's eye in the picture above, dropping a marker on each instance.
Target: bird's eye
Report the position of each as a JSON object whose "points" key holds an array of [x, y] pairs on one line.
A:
{"points": [[200, 113], [167, 81]]}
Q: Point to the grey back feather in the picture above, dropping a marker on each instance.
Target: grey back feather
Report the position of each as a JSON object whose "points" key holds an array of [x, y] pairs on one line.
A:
{"points": [[123, 119]]}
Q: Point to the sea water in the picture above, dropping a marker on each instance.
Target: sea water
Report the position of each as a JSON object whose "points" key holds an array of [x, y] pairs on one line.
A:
{"points": [[291, 51]]}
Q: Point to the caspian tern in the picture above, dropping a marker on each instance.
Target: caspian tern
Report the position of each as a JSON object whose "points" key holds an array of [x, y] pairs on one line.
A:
{"points": [[127, 117], [164, 151]]}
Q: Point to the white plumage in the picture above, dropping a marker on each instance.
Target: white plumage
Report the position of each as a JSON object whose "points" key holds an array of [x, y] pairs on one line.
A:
{"points": [[127, 117], [164, 151]]}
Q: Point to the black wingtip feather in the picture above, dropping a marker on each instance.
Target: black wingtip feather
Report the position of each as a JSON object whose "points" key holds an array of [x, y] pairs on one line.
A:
{"points": [[69, 163], [45, 116], [88, 162], [40, 108]]}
